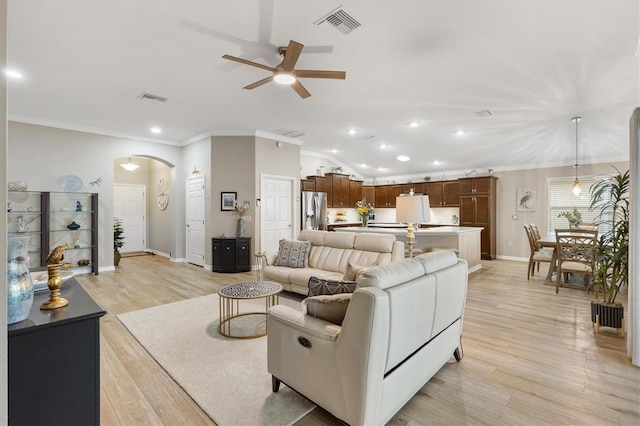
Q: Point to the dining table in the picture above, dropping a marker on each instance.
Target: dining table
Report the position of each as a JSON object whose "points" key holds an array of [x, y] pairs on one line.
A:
{"points": [[549, 240]]}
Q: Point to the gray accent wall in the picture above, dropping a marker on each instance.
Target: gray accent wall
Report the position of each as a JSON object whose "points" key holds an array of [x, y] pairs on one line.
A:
{"points": [[42, 155], [509, 230]]}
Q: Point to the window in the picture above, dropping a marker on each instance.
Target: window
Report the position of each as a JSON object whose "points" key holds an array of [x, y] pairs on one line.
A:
{"points": [[561, 199]]}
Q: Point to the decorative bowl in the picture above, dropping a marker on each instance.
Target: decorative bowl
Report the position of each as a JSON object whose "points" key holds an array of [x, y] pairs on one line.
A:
{"points": [[73, 226]]}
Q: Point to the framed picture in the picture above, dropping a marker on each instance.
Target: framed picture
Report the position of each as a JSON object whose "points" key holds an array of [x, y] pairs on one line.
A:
{"points": [[228, 200], [526, 200]]}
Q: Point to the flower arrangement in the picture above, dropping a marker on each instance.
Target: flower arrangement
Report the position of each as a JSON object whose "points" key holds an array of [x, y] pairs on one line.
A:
{"points": [[364, 208], [574, 217], [241, 210]]}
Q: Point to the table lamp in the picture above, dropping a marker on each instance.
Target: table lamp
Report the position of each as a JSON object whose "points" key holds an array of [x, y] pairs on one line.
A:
{"points": [[412, 208]]}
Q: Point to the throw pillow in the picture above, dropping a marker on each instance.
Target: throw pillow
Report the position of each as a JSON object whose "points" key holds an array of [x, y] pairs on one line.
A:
{"points": [[293, 253], [332, 308], [321, 286], [354, 271]]}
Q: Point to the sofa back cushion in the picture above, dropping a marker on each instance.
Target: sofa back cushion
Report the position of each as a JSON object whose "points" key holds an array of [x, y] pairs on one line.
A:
{"points": [[332, 251], [421, 304], [315, 236]]}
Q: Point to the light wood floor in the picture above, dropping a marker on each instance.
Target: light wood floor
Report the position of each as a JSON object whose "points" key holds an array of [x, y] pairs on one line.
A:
{"points": [[531, 357]]}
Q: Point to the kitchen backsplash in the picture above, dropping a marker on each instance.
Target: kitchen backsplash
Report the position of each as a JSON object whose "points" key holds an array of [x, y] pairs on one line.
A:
{"points": [[442, 215]]}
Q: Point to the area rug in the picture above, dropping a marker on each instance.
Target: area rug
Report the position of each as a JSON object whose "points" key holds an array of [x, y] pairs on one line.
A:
{"points": [[226, 377]]}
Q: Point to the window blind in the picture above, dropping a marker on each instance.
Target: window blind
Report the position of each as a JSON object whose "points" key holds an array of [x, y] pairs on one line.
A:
{"points": [[561, 199]]}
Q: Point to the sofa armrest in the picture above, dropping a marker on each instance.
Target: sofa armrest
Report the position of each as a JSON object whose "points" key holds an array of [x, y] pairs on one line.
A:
{"points": [[284, 315], [271, 258]]}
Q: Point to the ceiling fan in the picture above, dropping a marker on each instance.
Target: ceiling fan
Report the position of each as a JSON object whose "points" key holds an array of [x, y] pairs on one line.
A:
{"points": [[285, 73]]}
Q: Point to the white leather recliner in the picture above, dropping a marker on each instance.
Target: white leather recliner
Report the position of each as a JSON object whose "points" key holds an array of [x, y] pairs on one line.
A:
{"points": [[402, 325]]}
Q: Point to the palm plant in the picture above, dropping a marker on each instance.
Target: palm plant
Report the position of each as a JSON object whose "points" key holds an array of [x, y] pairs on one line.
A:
{"points": [[610, 199]]}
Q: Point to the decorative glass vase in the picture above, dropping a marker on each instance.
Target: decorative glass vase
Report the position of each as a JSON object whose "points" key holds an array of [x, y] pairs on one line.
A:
{"points": [[365, 220], [240, 228], [19, 282]]}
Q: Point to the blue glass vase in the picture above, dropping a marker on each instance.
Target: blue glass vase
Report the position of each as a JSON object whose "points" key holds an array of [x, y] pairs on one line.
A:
{"points": [[19, 282]]}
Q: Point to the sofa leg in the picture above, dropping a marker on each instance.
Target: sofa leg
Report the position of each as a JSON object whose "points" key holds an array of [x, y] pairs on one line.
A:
{"points": [[458, 353], [275, 384]]}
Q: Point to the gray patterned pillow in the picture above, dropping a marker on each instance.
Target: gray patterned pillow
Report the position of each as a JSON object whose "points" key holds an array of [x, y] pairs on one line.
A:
{"points": [[293, 253], [332, 308], [322, 287]]}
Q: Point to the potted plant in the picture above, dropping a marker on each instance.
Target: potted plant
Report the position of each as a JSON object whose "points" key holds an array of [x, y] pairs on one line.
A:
{"points": [[118, 240], [574, 217], [610, 199]]}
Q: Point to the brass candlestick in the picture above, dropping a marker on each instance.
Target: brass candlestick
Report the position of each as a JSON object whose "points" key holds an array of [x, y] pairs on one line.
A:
{"points": [[55, 281]]}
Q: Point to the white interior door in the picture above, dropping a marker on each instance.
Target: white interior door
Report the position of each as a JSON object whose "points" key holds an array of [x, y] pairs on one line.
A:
{"points": [[195, 220], [129, 204], [277, 211]]}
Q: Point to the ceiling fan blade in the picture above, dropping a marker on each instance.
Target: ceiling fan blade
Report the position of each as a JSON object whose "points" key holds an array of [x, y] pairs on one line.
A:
{"points": [[244, 61], [291, 56], [258, 83], [300, 90], [340, 75]]}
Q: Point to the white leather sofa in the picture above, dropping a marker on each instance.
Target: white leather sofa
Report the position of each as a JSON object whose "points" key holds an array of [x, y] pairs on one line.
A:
{"points": [[403, 323], [330, 255]]}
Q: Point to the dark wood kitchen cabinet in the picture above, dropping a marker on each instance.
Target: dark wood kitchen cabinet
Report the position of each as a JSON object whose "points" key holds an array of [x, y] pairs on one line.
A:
{"points": [[478, 208], [355, 192], [386, 195], [339, 190], [443, 194], [231, 254]]}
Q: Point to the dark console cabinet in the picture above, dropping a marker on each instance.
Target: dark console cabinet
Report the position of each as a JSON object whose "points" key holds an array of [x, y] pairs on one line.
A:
{"points": [[231, 254], [54, 362]]}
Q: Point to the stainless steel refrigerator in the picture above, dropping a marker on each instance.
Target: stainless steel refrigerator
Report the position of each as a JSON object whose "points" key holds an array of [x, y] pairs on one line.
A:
{"points": [[314, 210]]}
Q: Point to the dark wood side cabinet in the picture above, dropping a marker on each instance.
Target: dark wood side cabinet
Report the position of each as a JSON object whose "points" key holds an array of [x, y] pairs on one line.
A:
{"points": [[231, 254], [54, 362]]}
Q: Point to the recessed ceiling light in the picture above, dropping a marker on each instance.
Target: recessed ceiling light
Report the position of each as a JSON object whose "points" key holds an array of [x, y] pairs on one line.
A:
{"points": [[460, 132], [14, 74], [363, 165], [334, 150], [352, 131], [156, 130], [382, 169], [383, 145], [436, 162], [402, 158], [414, 124]]}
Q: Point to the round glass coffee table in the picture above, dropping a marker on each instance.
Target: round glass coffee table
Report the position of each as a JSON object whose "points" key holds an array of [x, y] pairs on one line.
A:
{"points": [[230, 297]]}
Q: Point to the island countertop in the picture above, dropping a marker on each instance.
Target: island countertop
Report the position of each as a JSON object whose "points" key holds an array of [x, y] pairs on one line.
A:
{"points": [[440, 230], [465, 240]]}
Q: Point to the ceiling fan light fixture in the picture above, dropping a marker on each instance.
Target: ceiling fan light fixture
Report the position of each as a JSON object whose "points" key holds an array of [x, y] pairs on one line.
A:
{"points": [[129, 166], [284, 77]]}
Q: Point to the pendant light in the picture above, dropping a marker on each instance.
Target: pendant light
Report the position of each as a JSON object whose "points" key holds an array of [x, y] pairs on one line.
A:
{"points": [[576, 189], [129, 166]]}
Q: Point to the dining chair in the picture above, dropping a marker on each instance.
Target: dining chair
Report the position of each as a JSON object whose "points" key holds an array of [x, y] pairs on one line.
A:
{"points": [[575, 252], [536, 234], [537, 255]]}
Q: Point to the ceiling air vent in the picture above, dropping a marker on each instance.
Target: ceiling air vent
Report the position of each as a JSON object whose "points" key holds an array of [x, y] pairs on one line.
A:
{"points": [[338, 21], [150, 97], [483, 113], [290, 133]]}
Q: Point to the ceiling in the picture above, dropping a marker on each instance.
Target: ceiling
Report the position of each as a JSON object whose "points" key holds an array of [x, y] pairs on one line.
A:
{"points": [[533, 64]]}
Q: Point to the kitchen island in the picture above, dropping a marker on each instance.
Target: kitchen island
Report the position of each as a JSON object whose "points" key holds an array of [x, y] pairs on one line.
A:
{"points": [[464, 239]]}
